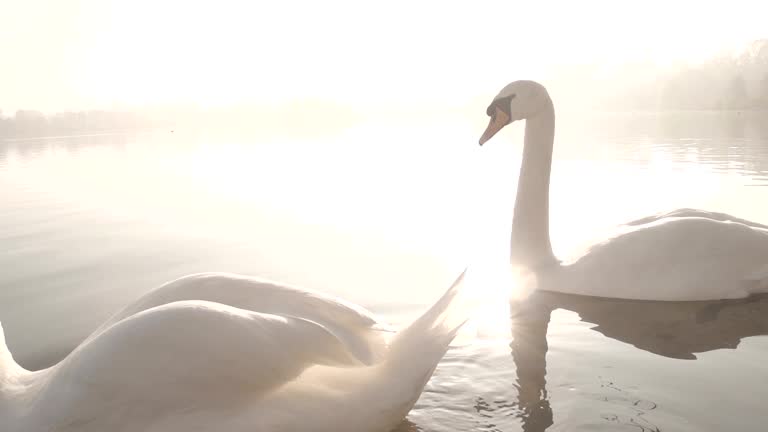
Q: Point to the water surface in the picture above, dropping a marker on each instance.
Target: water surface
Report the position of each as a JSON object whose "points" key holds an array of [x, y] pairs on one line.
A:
{"points": [[386, 215]]}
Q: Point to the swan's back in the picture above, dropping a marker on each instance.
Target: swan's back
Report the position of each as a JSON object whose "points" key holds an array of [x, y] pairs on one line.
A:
{"points": [[696, 213], [675, 258], [251, 293], [348, 320]]}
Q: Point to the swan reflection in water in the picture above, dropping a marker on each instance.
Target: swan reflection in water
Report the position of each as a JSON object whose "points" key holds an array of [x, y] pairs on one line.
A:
{"points": [[677, 330]]}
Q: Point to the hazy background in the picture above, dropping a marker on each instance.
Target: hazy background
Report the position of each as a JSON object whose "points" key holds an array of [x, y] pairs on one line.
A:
{"points": [[318, 66]]}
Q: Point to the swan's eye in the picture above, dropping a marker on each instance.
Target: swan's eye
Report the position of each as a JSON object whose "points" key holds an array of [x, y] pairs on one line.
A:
{"points": [[501, 103], [491, 110]]}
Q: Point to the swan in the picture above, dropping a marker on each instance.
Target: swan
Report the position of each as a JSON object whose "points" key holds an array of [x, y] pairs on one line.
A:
{"points": [[226, 352], [686, 254]]}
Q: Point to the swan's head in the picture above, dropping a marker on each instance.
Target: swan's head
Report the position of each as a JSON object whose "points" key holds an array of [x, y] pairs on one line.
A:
{"points": [[519, 100]]}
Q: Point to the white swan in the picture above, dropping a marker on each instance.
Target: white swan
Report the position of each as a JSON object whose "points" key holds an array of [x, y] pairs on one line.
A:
{"points": [[683, 255], [224, 352]]}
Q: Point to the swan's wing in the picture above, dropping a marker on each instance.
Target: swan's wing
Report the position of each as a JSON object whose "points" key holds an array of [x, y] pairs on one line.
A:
{"points": [[688, 213], [357, 325], [186, 353]]}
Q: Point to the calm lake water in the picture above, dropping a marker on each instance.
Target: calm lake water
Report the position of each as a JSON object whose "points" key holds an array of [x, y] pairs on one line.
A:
{"points": [[386, 215]]}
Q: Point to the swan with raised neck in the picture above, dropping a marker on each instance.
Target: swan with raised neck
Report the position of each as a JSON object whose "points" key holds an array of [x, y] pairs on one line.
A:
{"points": [[685, 254]]}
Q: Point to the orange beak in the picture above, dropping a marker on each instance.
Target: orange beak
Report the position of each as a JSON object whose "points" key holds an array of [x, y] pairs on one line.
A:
{"points": [[498, 121]]}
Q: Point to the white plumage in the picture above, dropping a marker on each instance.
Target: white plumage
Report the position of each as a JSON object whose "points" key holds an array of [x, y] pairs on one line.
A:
{"points": [[231, 353]]}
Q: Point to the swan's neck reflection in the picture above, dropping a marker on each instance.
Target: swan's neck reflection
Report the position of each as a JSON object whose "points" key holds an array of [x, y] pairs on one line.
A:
{"points": [[677, 330], [529, 351]]}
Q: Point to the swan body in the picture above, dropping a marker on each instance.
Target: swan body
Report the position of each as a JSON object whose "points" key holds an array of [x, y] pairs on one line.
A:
{"points": [[686, 254], [232, 353], [688, 258]]}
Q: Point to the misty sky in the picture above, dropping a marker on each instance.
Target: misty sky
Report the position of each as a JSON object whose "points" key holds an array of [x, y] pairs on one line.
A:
{"points": [[72, 54]]}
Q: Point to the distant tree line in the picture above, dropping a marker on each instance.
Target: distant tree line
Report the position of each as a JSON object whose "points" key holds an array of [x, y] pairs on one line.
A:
{"points": [[732, 81], [737, 85], [30, 123], [736, 81], [728, 82]]}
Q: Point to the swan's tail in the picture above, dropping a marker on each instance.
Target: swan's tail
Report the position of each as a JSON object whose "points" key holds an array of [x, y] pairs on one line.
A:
{"points": [[442, 319], [416, 350]]}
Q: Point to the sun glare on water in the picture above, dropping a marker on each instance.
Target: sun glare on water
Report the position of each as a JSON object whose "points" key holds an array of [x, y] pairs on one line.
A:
{"points": [[491, 290]]}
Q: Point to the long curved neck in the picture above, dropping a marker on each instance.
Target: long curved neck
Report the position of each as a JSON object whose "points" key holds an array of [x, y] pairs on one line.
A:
{"points": [[530, 225]]}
